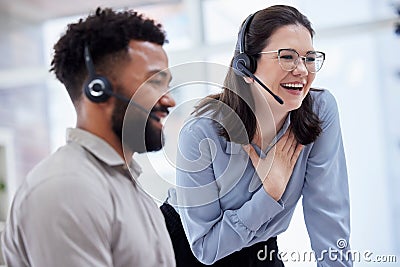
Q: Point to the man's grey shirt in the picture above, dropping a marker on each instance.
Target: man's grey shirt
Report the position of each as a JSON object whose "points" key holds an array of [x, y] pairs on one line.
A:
{"points": [[81, 207]]}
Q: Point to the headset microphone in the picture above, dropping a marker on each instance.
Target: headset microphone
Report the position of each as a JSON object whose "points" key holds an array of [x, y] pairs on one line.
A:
{"points": [[98, 88], [245, 65], [251, 75]]}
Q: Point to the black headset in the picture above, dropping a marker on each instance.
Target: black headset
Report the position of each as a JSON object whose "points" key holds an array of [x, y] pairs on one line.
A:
{"points": [[98, 88], [245, 65], [243, 60]]}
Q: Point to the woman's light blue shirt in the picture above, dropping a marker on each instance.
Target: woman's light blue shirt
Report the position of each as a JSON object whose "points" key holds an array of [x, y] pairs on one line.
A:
{"points": [[223, 206]]}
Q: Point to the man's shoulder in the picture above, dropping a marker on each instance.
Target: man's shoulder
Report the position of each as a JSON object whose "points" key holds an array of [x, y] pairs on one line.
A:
{"points": [[66, 170], [70, 159]]}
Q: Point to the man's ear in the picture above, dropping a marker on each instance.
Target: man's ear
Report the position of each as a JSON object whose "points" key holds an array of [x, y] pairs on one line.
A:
{"points": [[248, 80]]}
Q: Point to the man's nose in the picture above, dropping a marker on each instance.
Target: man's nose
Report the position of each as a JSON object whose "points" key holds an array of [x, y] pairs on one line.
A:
{"points": [[167, 100]]}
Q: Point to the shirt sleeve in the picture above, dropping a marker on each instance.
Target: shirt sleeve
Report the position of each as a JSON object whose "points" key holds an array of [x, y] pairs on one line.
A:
{"points": [[61, 222], [212, 232], [325, 193]]}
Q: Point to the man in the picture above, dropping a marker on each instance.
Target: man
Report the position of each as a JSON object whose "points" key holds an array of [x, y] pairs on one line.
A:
{"points": [[82, 206]]}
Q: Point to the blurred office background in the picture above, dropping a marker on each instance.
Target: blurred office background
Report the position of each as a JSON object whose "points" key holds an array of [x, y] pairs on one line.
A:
{"points": [[362, 70]]}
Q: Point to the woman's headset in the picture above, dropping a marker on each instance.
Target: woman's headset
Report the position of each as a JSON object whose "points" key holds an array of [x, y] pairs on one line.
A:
{"points": [[245, 65]]}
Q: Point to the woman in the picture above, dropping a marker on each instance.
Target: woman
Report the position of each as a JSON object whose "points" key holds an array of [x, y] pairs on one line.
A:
{"points": [[250, 152]]}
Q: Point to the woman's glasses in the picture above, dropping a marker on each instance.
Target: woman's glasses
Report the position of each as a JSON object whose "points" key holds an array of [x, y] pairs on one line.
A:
{"points": [[289, 59]]}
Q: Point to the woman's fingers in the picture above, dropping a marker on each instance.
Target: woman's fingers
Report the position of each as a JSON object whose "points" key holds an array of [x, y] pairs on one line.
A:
{"points": [[296, 154], [278, 164], [285, 142], [292, 147], [286, 152]]}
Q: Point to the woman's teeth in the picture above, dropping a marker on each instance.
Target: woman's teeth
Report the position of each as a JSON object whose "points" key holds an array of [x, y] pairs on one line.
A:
{"points": [[293, 86]]}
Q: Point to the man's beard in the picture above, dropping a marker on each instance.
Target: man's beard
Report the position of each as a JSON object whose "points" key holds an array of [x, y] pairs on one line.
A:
{"points": [[138, 132]]}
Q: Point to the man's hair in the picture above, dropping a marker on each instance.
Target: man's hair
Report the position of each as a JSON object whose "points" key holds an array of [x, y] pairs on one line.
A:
{"points": [[107, 34]]}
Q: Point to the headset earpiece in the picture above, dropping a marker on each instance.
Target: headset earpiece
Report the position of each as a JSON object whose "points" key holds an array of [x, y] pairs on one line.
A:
{"points": [[242, 59], [98, 88]]}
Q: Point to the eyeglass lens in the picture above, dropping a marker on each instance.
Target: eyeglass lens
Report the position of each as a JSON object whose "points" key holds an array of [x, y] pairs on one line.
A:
{"points": [[289, 59]]}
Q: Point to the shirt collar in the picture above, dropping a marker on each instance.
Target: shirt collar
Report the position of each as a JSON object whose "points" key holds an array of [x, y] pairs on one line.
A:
{"points": [[100, 149], [235, 148]]}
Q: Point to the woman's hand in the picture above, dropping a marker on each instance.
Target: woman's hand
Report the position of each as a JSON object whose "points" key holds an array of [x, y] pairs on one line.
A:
{"points": [[277, 167]]}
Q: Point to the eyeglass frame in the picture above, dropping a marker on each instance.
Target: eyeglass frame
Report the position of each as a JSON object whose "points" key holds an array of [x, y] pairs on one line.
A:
{"points": [[304, 58]]}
